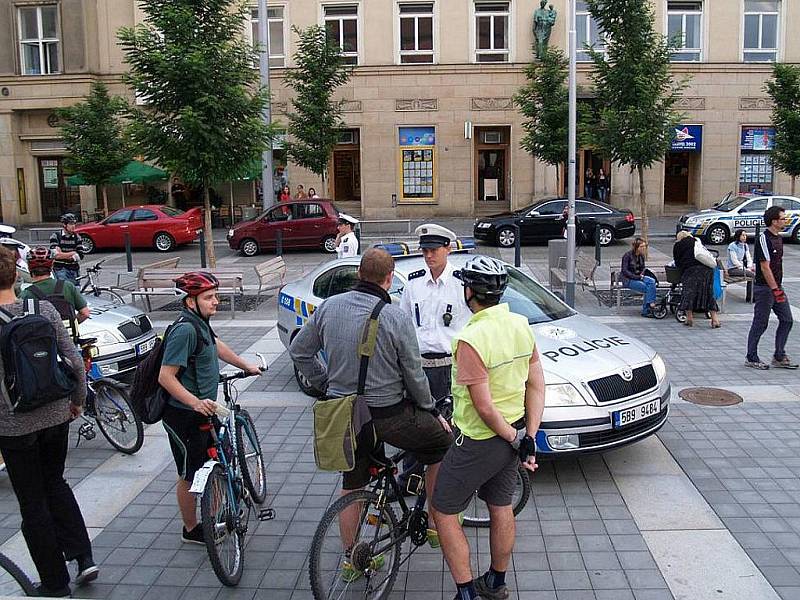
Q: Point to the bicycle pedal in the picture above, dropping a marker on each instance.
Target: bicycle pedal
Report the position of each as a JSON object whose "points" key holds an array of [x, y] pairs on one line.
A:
{"points": [[87, 431], [266, 514]]}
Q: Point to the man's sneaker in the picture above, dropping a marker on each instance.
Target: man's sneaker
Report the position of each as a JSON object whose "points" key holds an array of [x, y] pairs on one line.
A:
{"points": [[783, 363], [195, 536], [350, 573], [87, 570], [498, 593], [48, 592], [756, 364]]}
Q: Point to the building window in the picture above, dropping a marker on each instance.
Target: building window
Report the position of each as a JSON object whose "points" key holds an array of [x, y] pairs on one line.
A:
{"points": [[417, 159], [416, 33], [38, 40], [341, 23], [587, 32], [685, 28], [756, 172], [277, 47], [491, 31], [761, 30]]}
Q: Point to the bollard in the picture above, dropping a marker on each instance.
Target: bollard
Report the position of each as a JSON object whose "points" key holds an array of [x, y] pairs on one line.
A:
{"points": [[597, 247], [128, 255], [357, 232], [202, 249], [517, 246], [279, 242]]}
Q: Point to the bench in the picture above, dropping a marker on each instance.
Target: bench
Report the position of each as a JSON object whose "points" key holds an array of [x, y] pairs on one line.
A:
{"points": [[585, 269], [161, 282], [271, 275], [728, 279], [166, 263], [35, 232], [618, 290]]}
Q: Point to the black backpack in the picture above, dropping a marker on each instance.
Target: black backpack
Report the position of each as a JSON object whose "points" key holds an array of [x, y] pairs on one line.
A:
{"points": [[147, 397], [59, 302], [35, 373]]}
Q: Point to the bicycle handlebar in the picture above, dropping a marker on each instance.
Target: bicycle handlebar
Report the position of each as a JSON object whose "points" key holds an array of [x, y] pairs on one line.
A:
{"points": [[262, 367], [96, 267]]}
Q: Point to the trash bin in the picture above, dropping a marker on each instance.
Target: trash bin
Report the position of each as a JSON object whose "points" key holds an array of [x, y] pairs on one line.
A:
{"points": [[250, 212]]}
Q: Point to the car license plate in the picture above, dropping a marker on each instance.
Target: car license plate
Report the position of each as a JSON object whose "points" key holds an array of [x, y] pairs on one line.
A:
{"points": [[621, 418], [145, 347]]}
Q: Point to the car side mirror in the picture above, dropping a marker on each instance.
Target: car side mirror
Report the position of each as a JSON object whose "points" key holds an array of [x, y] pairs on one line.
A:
{"points": [[533, 213], [742, 211]]}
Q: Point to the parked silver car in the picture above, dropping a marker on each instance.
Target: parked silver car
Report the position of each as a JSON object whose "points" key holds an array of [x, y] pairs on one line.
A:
{"points": [[604, 388]]}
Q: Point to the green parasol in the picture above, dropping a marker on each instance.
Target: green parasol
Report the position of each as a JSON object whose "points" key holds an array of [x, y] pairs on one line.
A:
{"points": [[133, 172]]}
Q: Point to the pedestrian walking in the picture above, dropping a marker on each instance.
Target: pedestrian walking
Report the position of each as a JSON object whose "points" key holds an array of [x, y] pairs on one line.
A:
{"points": [[34, 447], [346, 241], [498, 393], [67, 244], [589, 183], [768, 295], [696, 265], [602, 185]]}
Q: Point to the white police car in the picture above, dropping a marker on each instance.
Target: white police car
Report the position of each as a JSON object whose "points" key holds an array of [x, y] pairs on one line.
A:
{"points": [[604, 388], [744, 211]]}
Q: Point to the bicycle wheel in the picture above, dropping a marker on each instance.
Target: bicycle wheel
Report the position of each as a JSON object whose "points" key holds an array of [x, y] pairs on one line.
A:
{"points": [[369, 576], [477, 515], [251, 460], [224, 540], [107, 295], [14, 581], [120, 425]]}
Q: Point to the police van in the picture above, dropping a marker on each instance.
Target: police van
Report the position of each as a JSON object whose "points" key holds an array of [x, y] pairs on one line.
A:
{"points": [[716, 225]]}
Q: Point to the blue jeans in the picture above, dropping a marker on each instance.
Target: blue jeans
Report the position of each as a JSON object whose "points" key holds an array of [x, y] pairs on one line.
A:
{"points": [[646, 286], [67, 275], [763, 304]]}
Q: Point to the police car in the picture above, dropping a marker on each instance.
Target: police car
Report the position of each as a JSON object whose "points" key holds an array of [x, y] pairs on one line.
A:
{"points": [[716, 225], [604, 388]]}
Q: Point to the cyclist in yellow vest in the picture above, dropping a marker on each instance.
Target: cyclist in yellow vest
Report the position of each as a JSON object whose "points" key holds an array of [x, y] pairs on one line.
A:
{"points": [[498, 396]]}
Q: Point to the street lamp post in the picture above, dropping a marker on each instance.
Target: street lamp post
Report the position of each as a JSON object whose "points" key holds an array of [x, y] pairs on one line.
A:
{"points": [[267, 194], [569, 292]]}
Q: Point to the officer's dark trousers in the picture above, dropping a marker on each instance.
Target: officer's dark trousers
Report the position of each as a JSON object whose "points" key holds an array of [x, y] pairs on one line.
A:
{"points": [[52, 523]]}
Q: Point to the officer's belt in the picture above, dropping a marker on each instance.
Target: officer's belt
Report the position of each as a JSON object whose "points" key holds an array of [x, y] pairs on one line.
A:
{"points": [[431, 360]]}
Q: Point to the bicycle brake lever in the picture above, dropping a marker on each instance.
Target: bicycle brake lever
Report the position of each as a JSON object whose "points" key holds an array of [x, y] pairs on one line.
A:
{"points": [[263, 366]]}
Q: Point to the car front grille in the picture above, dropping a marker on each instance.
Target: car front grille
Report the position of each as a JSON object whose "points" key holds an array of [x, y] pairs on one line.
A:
{"points": [[130, 363], [614, 387], [610, 436], [131, 330]]}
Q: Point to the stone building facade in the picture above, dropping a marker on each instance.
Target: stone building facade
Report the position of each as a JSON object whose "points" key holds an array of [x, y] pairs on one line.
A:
{"points": [[430, 128]]}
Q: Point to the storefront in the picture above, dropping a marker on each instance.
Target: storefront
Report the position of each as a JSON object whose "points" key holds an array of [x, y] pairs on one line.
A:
{"points": [[417, 164], [756, 173], [492, 172], [682, 165]]}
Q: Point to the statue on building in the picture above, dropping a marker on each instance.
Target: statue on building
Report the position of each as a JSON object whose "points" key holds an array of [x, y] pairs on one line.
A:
{"points": [[543, 21]]}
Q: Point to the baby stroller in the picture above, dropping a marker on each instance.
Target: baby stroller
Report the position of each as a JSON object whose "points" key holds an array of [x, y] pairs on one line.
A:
{"points": [[672, 299]]}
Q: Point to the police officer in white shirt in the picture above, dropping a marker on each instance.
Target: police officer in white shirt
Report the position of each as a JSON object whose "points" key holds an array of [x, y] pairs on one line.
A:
{"points": [[346, 241]]}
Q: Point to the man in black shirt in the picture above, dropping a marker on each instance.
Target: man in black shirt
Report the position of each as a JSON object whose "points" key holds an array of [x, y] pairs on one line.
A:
{"points": [[66, 244], [768, 295]]}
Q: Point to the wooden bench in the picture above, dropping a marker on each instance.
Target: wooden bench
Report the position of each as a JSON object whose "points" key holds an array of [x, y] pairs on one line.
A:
{"points": [[618, 290], [161, 282], [166, 263], [728, 279], [271, 275], [585, 269]]}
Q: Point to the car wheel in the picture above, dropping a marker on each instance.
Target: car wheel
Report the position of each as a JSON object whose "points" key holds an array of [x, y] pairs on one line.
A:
{"points": [[164, 242], [506, 237], [305, 385], [329, 244], [796, 235], [88, 244], [248, 247], [606, 235], [718, 234]]}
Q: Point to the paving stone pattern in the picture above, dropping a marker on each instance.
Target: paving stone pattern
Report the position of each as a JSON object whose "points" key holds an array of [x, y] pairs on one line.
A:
{"points": [[745, 460]]}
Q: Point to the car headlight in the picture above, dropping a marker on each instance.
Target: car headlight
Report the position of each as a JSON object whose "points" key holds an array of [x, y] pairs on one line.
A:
{"points": [[562, 394], [105, 338], [659, 367]]}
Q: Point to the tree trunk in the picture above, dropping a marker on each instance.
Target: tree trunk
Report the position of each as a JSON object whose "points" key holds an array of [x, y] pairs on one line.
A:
{"points": [[645, 229], [793, 182], [208, 234], [104, 191], [558, 179]]}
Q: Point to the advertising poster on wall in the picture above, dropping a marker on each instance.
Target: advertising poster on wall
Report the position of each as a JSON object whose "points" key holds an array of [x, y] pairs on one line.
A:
{"points": [[417, 164]]}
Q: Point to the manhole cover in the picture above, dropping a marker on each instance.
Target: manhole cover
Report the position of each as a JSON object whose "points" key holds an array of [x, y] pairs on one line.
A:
{"points": [[707, 396]]}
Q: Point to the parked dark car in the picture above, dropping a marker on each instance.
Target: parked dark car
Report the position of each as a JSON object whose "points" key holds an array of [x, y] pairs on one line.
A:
{"points": [[544, 220], [303, 224]]}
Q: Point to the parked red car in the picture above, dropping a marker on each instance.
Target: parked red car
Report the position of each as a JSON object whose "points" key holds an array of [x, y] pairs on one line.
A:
{"points": [[303, 223], [150, 226]]}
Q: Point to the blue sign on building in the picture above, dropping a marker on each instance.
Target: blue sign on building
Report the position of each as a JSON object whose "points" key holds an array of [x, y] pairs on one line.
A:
{"points": [[417, 136], [688, 138]]}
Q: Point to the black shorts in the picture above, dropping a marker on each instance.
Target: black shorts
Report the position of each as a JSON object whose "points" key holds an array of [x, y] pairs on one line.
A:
{"points": [[404, 426], [489, 466], [188, 443]]}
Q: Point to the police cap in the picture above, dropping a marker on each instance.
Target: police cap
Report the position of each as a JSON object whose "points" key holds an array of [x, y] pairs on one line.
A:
{"points": [[346, 219], [434, 236]]}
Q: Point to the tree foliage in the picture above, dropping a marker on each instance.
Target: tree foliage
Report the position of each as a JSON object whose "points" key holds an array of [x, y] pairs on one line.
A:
{"points": [[316, 119], [784, 89], [636, 91], [94, 134], [202, 113]]}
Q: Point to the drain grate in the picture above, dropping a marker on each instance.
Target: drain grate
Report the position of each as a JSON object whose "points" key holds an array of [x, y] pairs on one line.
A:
{"points": [[708, 396]]}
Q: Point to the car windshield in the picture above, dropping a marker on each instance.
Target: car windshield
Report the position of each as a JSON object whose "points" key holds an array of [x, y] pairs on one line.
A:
{"points": [[171, 212], [526, 297], [732, 203]]}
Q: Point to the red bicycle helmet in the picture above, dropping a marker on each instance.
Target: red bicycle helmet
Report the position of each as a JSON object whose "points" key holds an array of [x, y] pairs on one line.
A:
{"points": [[40, 258], [195, 283]]}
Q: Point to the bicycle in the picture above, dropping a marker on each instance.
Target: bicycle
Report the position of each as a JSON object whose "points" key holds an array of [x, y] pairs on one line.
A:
{"points": [[107, 402], [382, 546], [91, 287], [231, 482], [14, 582]]}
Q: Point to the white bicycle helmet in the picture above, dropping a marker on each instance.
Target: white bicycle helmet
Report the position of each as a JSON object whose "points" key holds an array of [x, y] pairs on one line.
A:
{"points": [[485, 276]]}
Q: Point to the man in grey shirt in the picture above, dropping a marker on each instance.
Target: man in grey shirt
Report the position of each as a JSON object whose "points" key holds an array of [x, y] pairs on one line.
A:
{"points": [[396, 391]]}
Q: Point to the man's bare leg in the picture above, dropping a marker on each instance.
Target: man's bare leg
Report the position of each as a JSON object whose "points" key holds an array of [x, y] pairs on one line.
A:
{"points": [[348, 521], [454, 547], [502, 533], [187, 503]]}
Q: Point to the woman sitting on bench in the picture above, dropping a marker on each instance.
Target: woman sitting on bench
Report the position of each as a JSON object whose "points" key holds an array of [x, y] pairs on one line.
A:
{"points": [[635, 277], [740, 262]]}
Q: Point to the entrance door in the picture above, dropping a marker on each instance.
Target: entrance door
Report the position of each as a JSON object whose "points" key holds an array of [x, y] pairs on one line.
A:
{"points": [[492, 173], [56, 196], [676, 178], [347, 175]]}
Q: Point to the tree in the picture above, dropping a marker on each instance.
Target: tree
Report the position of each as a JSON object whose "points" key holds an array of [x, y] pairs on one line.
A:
{"points": [[94, 134], [784, 89], [314, 124], [193, 69], [636, 91]]}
